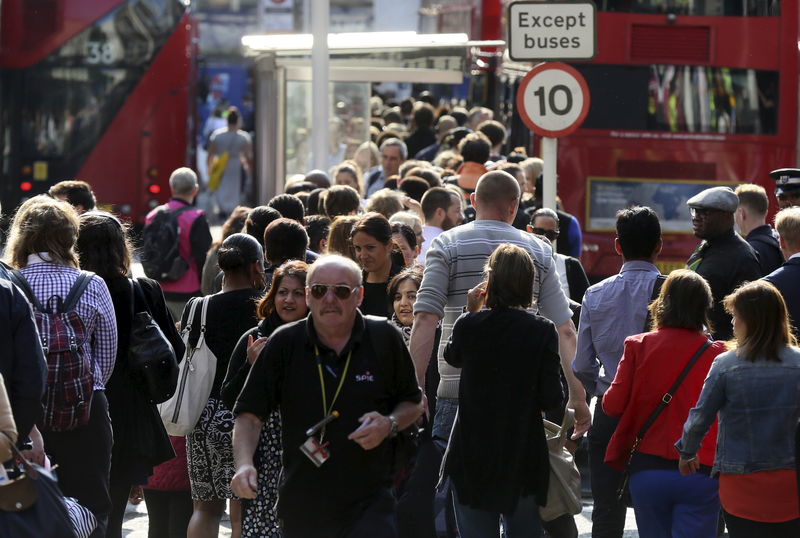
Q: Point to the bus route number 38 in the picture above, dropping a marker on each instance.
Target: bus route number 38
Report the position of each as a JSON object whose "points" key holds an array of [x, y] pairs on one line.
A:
{"points": [[553, 99]]}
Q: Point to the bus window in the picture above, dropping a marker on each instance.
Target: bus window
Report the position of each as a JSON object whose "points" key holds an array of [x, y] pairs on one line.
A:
{"points": [[735, 8], [675, 98]]}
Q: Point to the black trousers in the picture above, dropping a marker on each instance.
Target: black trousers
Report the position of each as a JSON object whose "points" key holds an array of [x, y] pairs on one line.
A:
{"points": [[415, 503], [168, 513], [370, 519], [83, 456], [608, 515], [119, 492], [745, 528]]}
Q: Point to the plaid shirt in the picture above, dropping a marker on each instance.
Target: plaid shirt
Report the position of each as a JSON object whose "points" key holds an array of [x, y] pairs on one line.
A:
{"points": [[94, 307]]}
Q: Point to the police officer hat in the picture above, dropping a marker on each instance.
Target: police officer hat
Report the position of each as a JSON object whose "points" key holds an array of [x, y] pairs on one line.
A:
{"points": [[721, 198], [786, 179]]}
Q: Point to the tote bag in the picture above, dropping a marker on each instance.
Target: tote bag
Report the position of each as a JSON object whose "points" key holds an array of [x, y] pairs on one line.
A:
{"points": [[195, 378], [564, 490]]}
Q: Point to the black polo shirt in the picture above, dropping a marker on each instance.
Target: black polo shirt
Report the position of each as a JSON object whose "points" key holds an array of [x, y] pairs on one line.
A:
{"points": [[285, 376]]}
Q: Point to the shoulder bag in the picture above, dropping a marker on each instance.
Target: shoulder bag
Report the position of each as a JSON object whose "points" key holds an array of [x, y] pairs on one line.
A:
{"points": [[564, 488], [623, 492], [195, 378], [151, 359]]}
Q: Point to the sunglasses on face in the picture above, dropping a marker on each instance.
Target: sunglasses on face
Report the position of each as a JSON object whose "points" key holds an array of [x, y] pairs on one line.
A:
{"points": [[552, 235], [341, 291]]}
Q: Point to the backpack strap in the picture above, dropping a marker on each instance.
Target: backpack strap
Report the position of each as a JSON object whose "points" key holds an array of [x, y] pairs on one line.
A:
{"points": [[75, 292], [659, 282], [178, 211], [19, 279]]}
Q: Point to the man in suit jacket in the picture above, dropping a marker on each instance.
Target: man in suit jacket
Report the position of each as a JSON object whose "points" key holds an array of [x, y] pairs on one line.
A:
{"points": [[787, 277]]}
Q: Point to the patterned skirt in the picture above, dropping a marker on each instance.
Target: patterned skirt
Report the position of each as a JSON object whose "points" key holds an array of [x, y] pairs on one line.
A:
{"points": [[259, 516], [209, 453]]}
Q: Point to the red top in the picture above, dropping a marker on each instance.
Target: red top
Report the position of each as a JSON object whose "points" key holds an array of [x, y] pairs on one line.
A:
{"points": [[650, 365], [769, 496]]}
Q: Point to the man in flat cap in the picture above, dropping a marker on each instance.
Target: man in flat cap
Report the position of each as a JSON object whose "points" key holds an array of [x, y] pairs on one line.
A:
{"points": [[787, 186], [723, 258]]}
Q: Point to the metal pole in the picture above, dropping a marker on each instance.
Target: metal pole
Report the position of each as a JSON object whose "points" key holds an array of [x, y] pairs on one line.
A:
{"points": [[549, 155], [319, 82]]}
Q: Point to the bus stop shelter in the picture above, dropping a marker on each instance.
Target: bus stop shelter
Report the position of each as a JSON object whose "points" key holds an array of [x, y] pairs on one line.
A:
{"points": [[283, 74]]}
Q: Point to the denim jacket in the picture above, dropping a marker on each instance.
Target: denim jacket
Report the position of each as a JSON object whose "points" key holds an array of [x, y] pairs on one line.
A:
{"points": [[758, 405]]}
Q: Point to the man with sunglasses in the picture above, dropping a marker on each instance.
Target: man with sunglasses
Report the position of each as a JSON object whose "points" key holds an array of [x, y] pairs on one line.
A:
{"points": [[723, 258], [345, 385], [573, 279]]}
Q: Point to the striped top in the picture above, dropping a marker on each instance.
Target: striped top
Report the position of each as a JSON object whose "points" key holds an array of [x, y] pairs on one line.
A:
{"points": [[454, 265], [94, 307]]}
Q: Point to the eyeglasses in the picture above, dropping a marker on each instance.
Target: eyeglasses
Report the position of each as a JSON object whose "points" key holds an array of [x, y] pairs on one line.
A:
{"points": [[318, 291], [552, 235]]}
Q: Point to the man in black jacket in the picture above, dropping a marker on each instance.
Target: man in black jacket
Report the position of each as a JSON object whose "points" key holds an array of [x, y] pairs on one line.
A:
{"points": [[344, 384], [787, 277], [751, 218], [723, 258]]}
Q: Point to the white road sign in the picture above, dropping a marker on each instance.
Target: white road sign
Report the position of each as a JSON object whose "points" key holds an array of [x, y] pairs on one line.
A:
{"points": [[552, 31], [553, 99]]}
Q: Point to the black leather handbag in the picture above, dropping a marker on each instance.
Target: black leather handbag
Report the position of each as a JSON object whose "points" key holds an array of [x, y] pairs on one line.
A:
{"points": [[151, 359]]}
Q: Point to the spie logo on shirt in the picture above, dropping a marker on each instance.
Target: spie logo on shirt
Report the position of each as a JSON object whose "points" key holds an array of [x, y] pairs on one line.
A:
{"points": [[366, 376]]}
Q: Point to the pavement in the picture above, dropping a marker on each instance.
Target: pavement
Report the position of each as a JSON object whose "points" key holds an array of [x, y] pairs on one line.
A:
{"points": [[135, 524]]}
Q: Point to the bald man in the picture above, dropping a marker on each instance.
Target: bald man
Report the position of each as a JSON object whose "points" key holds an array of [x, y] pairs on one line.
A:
{"points": [[454, 265]]}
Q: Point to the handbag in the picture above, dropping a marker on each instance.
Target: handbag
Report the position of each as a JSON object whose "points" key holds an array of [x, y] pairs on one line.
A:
{"points": [[564, 488], [31, 505], [151, 359], [195, 378], [623, 491]]}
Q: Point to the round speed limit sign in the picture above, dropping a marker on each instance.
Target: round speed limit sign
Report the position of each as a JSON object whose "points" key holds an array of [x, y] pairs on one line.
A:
{"points": [[553, 99]]}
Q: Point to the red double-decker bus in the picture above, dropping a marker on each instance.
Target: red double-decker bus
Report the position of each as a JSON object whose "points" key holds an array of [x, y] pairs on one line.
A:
{"points": [[100, 91], [684, 95]]}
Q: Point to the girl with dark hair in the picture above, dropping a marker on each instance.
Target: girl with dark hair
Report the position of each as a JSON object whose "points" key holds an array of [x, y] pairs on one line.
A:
{"points": [[753, 390], [373, 244], [285, 302], [666, 503], [234, 224], [510, 375], [208, 447], [140, 440]]}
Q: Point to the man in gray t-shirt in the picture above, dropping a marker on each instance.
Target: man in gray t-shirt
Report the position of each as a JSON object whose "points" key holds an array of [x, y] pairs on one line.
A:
{"points": [[239, 149], [454, 265]]}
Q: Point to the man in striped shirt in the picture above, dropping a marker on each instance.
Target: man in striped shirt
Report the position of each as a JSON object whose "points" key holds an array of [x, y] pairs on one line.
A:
{"points": [[454, 264]]}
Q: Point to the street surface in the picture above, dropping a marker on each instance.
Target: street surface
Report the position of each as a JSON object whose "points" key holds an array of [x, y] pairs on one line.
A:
{"points": [[135, 525]]}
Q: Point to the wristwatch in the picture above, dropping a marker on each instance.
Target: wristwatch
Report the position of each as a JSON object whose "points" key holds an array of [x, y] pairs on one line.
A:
{"points": [[393, 423]]}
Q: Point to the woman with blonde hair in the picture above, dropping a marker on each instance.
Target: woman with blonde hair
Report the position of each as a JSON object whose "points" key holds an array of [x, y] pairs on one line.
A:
{"points": [[665, 503], [41, 246], [753, 389], [510, 375]]}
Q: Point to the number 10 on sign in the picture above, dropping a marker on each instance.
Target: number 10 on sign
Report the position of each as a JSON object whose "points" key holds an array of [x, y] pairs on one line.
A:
{"points": [[553, 99]]}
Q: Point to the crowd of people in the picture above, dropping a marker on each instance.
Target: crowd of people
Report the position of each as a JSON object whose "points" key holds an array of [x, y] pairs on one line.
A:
{"points": [[396, 329]]}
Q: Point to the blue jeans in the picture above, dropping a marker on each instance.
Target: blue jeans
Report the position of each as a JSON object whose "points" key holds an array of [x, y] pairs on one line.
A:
{"points": [[668, 504], [523, 523]]}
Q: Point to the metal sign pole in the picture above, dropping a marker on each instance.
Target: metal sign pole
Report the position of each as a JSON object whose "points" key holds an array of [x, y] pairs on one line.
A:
{"points": [[319, 82], [549, 156]]}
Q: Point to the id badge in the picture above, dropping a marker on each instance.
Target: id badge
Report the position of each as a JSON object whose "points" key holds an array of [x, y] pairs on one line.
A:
{"points": [[315, 451]]}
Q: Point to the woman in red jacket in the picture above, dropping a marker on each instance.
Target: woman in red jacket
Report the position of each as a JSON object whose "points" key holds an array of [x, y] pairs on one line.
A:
{"points": [[665, 503]]}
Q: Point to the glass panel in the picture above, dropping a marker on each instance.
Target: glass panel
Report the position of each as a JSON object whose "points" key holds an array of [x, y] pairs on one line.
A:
{"points": [[714, 8], [672, 98], [348, 123], [69, 98]]}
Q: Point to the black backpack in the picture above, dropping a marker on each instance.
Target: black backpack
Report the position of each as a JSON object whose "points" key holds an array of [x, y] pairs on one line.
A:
{"points": [[161, 259]]}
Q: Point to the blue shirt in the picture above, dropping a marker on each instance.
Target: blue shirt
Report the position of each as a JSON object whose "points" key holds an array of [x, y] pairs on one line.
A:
{"points": [[611, 311]]}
